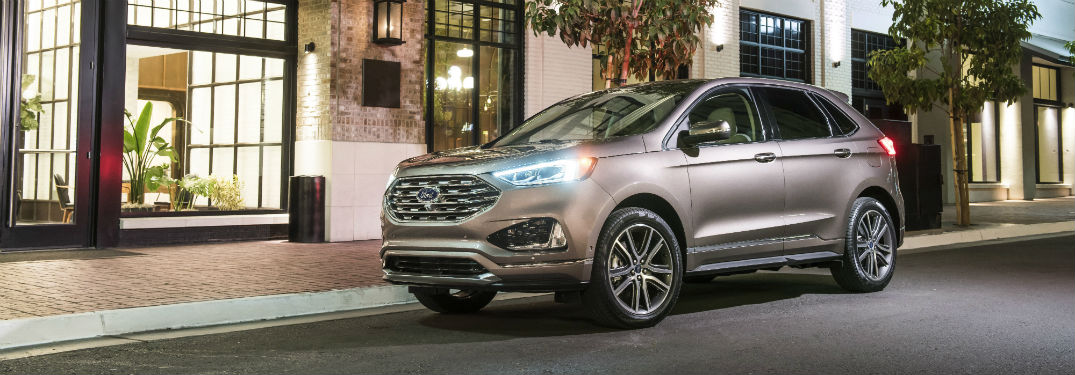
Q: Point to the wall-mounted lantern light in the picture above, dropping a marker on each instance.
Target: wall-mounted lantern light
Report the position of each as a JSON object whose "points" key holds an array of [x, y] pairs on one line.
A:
{"points": [[309, 47], [388, 22], [836, 64], [720, 47]]}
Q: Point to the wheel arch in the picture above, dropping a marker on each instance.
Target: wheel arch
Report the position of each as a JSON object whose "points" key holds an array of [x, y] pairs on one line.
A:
{"points": [[882, 195], [662, 208]]}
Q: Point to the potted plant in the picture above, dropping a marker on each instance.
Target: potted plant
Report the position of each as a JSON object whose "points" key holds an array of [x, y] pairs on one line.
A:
{"points": [[141, 146], [189, 188], [226, 193]]}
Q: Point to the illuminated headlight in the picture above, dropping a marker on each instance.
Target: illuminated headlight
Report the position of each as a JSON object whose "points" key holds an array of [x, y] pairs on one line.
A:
{"points": [[391, 178], [548, 172], [531, 235]]}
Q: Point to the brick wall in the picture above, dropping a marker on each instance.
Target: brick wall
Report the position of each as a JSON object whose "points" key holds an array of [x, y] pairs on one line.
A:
{"points": [[330, 78], [314, 72]]}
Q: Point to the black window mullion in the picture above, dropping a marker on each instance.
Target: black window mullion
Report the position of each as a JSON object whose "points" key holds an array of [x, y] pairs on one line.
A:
{"points": [[475, 72]]}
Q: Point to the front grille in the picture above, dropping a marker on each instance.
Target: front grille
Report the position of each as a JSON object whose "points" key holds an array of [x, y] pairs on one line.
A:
{"points": [[458, 198], [434, 266]]}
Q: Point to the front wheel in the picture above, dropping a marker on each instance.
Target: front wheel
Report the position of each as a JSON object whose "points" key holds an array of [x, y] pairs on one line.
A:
{"points": [[454, 301], [870, 248], [637, 271]]}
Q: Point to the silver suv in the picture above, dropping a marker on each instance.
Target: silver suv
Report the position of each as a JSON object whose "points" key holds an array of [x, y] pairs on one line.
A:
{"points": [[616, 197]]}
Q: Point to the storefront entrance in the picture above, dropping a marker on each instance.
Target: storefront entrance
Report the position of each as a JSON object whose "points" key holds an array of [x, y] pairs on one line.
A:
{"points": [[48, 109]]}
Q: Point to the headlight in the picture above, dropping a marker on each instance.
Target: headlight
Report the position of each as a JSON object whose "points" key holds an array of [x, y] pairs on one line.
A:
{"points": [[548, 172], [391, 178]]}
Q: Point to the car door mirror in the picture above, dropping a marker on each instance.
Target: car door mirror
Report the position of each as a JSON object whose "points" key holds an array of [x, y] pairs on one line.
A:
{"points": [[705, 131]]}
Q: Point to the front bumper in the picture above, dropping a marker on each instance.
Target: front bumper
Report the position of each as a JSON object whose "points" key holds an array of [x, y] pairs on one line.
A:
{"points": [[580, 208]]}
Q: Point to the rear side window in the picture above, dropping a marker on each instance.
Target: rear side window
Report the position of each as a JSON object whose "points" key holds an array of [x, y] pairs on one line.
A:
{"points": [[795, 114], [844, 123]]}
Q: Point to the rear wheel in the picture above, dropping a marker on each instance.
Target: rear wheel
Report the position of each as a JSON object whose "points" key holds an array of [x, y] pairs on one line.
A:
{"points": [[637, 270], [870, 248], [454, 301]]}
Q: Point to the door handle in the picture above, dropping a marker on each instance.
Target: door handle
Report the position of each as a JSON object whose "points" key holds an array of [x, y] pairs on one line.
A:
{"points": [[765, 157], [842, 153]]}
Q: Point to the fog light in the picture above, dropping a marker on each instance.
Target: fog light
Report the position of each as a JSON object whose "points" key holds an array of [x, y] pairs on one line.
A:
{"points": [[534, 234]]}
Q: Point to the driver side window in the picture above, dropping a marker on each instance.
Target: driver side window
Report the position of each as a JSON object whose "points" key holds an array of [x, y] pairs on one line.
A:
{"points": [[734, 108]]}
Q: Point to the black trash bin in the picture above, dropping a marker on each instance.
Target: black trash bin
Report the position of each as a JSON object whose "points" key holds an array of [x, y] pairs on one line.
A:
{"points": [[306, 209]]}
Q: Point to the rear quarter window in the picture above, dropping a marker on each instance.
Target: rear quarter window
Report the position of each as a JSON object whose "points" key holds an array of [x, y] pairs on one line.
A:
{"points": [[844, 123]]}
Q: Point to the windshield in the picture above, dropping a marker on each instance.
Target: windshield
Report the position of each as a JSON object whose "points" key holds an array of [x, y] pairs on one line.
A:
{"points": [[600, 115]]}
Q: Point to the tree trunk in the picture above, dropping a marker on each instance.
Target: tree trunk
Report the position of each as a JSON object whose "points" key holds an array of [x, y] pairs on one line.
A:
{"points": [[624, 71], [959, 158], [608, 71]]}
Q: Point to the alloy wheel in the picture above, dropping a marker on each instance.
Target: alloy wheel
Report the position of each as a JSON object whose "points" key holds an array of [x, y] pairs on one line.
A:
{"points": [[874, 245], [640, 270]]}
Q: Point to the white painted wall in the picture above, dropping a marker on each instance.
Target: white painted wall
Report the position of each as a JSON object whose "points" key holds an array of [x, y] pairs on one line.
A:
{"points": [[869, 15], [554, 72], [356, 174]]}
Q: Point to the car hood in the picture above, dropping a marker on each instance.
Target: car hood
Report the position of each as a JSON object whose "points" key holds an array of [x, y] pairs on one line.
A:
{"points": [[478, 160]]}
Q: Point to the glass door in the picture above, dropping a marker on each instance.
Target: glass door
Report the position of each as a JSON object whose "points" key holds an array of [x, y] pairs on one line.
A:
{"points": [[46, 151]]}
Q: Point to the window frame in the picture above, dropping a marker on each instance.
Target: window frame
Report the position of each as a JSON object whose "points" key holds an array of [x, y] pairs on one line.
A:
{"points": [[768, 108], [1057, 85], [238, 45], [1059, 146], [517, 46], [807, 41], [996, 145]]}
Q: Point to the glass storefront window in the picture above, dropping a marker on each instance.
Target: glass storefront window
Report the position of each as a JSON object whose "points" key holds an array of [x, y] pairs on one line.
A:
{"points": [[1048, 129], [46, 132], [472, 68], [1045, 84], [246, 18], [983, 144], [228, 145], [453, 84]]}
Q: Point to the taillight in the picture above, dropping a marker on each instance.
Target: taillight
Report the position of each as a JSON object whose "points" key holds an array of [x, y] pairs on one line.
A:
{"points": [[888, 145]]}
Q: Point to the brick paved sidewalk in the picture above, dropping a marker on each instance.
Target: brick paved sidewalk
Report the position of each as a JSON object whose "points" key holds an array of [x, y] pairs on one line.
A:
{"points": [[60, 282]]}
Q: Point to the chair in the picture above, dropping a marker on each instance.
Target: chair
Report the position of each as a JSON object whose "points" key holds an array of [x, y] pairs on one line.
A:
{"points": [[63, 195]]}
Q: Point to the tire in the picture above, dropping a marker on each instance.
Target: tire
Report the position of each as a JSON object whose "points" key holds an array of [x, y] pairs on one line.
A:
{"points": [[653, 270], [460, 302], [870, 249]]}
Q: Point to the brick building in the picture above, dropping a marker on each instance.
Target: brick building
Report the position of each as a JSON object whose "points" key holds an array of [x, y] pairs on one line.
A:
{"points": [[277, 88]]}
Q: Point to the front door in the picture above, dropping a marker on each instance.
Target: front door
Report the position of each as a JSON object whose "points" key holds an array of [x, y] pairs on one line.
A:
{"points": [[737, 186], [47, 156]]}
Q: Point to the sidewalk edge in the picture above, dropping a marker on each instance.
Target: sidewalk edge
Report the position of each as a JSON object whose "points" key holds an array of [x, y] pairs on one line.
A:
{"points": [[23, 332], [986, 234]]}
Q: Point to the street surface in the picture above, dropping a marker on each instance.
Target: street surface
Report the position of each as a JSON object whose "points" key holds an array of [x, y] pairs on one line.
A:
{"points": [[988, 309]]}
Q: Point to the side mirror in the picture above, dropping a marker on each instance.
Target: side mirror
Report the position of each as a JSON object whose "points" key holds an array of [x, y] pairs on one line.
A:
{"points": [[705, 131]]}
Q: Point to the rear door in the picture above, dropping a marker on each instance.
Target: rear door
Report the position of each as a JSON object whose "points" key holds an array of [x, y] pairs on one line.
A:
{"points": [[737, 186], [814, 166]]}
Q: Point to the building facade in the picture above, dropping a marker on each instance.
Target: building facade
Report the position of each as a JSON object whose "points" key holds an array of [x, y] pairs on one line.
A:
{"points": [[211, 105]]}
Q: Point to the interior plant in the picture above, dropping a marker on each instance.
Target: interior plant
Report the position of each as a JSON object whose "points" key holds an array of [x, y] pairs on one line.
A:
{"points": [[141, 145], [29, 107], [226, 193], [196, 186]]}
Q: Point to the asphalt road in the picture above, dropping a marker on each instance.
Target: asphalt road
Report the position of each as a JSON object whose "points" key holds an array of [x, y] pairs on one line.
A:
{"points": [[991, 309]]}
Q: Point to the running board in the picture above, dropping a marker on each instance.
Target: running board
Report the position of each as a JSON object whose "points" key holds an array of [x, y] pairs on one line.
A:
{"points": [[760, 263]]}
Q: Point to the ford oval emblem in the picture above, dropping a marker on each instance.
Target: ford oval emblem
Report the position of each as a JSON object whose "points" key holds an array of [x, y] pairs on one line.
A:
{"points": [[428, 194]]}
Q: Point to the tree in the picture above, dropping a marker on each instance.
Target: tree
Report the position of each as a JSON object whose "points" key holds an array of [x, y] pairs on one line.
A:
{"points": [[639, 35], [977, 43]]}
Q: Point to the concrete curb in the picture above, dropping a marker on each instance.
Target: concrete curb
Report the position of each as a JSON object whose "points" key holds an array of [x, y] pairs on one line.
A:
{"points": [[26, 332], [985, 234], [44, 330]]}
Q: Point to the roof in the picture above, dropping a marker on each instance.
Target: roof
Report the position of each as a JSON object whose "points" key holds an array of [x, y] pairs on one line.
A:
{"points": [[1049, 48]]}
